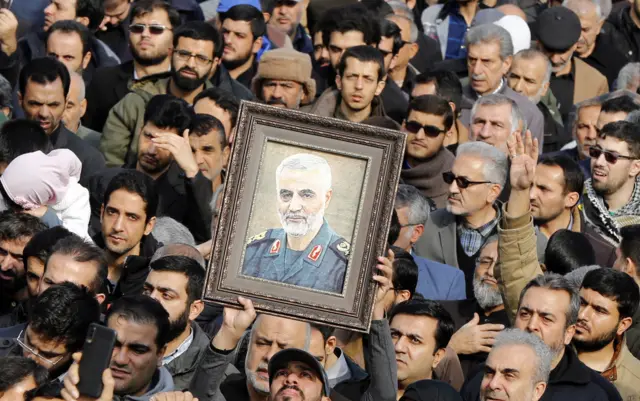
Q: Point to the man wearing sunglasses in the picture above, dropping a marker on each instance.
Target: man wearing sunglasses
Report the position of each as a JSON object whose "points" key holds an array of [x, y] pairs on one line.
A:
{"points": [[613, 194], [57, 328], [457, 233], [403, 73], [150, 36], [429, 119]]}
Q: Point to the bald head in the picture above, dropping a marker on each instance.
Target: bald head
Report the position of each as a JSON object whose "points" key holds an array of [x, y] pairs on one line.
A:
{"points": [[178, 250], [76, 103], [512, 9]]}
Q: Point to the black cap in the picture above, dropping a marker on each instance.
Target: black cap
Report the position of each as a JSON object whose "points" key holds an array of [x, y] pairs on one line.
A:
{"points": [[557, 29], [282, 358]]}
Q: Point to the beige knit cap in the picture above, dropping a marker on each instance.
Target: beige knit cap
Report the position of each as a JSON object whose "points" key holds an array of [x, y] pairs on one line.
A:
{"points": [[287, 65]]}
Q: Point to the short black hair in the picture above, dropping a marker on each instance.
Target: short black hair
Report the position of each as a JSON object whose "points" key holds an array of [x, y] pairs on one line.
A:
{"points": [[17, 368], [46, 390], [625, 132], [138, 183], [198, 30], [224, 99], [405, 271], [326, 331], [432, 309], [82, 251], [41, 244], [143, 310], [379, 8], [566, 251], [70, 26], [447, 85], [630, 244], [351, 17], [267, 6], [14, 226], [389, 29], [617, 286], [394, 229], [63, 313], [44, 70], [143, 7], [432, 104], [573, 175], [189, 267], [364, 54], [21, 136], [92, 9], [167, 111], [248, 13], [203, 124], [620, 104]]}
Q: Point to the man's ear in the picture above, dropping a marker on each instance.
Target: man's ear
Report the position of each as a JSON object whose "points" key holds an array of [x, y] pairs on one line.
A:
{"points": [[195, 309], [20, 99], [101, 212], [630, 268], [330, 345], [161, 352], [149, 226], [438, 357], [83, 20], [569, 333], [100, 298], [257, 45], [226, 152], [571, 199], [545, 88], [624, 325], [538, 390], [506, 65], [380, 87], [413, 50], [411, 3], [402, 295], [85, 60], [418, 230], [635, 168], [453, 107], [393, 63], [338, 82], [83, 107]]}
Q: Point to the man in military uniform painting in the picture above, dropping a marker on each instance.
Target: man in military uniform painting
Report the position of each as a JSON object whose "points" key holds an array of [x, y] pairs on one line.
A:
{"points": [[306, 251]]}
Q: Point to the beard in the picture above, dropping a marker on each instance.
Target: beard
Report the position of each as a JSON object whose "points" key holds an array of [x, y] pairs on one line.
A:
{"points": [[178, 326], [256, 383], [610, 186], [157, 166], [148, 60], [486, 295], [233, 64], [187, 84], [597, 343], [10, 287], [538, 220]]}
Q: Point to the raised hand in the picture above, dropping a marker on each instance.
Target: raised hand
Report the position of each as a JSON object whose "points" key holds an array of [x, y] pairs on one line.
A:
{"points": [[72, 378], [234, 323], [384, 278], [180, 149], [473, 337], [174, 396], [8, 28], [524, 157]]}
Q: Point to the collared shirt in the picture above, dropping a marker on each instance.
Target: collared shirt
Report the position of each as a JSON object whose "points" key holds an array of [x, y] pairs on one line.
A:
{"points": [[182, 348], [339, 372], [472, 239], [455, 39], [611, 373], [563, 88], [498, 89], [135, 74]]}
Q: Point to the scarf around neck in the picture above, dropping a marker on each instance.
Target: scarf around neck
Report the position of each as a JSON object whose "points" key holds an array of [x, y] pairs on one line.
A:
{"points": [[427, 175]]}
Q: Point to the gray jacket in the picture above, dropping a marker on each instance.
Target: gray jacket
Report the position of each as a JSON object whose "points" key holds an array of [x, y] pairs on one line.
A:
{"points": [[183, 368], [379, 355], [164, 384]]}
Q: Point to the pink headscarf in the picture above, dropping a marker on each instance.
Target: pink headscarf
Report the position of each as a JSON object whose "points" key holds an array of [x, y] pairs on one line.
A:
{"points": [[35, 179]]}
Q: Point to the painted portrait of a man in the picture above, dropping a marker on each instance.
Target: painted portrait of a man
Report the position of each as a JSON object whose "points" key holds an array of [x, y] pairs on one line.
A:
{"points": [[305, 251]]}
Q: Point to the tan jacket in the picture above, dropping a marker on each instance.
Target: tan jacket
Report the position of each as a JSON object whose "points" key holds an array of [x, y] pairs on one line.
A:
{"points": [[589, 82], [625, 374]]}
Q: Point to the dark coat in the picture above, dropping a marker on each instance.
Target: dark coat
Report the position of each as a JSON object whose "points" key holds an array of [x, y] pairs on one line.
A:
{"points": [[183, 368], [606, 57], [625, 35], [633, 335], [357, 384], [570, 380], [91, 159], [395, 102], [428, 53], [430, 390], [108, 87], [555, 136], [223, 80]]}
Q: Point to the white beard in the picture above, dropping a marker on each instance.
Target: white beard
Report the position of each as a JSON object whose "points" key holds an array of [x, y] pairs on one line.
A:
{"points": [[300, 229], [486, 295]]}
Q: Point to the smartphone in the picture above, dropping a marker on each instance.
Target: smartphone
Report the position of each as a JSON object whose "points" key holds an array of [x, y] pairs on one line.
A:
{"points": [[96, 357]]}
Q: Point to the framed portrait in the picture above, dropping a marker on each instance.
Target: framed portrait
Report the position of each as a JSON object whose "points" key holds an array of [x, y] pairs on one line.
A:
{"points": [[305, 214]]}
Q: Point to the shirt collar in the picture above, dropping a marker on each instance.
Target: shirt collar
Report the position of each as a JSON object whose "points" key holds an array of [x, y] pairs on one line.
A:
{"points": [[182, 348], [498, 89], [135, 74], [339, 372]]}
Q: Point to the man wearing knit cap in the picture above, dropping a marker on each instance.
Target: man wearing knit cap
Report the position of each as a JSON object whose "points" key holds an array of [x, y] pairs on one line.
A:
{"points": [[558, 30], [284, 79]]}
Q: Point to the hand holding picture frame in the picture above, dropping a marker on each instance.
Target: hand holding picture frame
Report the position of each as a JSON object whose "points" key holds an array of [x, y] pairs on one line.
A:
{"points": [[306, 212]]}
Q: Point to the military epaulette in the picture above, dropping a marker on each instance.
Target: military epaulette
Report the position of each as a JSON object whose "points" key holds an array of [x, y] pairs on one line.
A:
{"points": [[258, 237], [342, 247]]}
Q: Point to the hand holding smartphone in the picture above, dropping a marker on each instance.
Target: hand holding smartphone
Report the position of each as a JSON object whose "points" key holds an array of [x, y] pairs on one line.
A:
{"points": [[96, 358]]}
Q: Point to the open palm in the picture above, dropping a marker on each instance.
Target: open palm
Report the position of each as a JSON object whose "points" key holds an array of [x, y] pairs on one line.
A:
{"points": [[524, 157]]}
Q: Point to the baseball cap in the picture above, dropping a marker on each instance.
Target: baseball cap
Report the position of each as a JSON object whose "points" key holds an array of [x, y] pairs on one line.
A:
{"points": [[282, 358], [225, 5]]}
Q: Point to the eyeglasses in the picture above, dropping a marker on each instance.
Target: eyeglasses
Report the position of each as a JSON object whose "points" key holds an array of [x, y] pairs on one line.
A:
{"points": [[609, 156], [154, 29], [429, 130], [35, 353], [462, 182], [184, 55]]}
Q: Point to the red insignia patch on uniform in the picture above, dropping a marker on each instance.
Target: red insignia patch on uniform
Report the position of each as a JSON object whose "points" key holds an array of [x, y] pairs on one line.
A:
{"points": [[315, 253], [275, 248]]}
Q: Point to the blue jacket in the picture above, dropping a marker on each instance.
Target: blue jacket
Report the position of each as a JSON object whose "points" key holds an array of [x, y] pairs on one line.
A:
{"points": [[439, 282]]}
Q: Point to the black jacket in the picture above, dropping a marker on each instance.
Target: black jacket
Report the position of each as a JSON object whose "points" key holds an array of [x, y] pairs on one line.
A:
{"points": [[626, 35], [570, 380], [555, 136], [395, 102], [109, 86], [606, 57], [223, 80], [91, 159], [430, 390], [183, 368], [357, 384]]}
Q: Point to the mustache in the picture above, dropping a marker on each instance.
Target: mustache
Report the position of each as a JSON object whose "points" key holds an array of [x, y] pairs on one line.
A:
{"points": [[296, 216], [276, 100], [187, 69], [479, 77], [296, 388]]}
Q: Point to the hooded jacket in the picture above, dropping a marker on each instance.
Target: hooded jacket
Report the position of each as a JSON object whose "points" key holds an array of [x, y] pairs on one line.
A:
{"points": [[183, 368], [162, 382]]}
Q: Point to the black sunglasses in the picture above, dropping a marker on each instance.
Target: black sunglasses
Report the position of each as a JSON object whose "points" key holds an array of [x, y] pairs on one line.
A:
{"points": [[609, 156], [154, 29], [429, 130], [462, 182]]}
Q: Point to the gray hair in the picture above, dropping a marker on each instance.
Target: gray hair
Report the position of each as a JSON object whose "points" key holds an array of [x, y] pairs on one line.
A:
{"points": [[628, 74], [6, 93], [414, 32], [307, 162], [530, 54], [497, 99], [543, 354], [169, 231], [410, 197], [76, 79], [496, 166], [575, 277], [179, 250], [556, 282], [603, 7], [490, 33]]}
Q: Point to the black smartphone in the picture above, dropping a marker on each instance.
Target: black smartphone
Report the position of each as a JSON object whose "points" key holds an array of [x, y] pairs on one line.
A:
{"points": [[96, 357]]}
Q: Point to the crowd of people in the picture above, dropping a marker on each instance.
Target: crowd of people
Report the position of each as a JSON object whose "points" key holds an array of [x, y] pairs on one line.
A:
{"points": [[513, 263]]}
